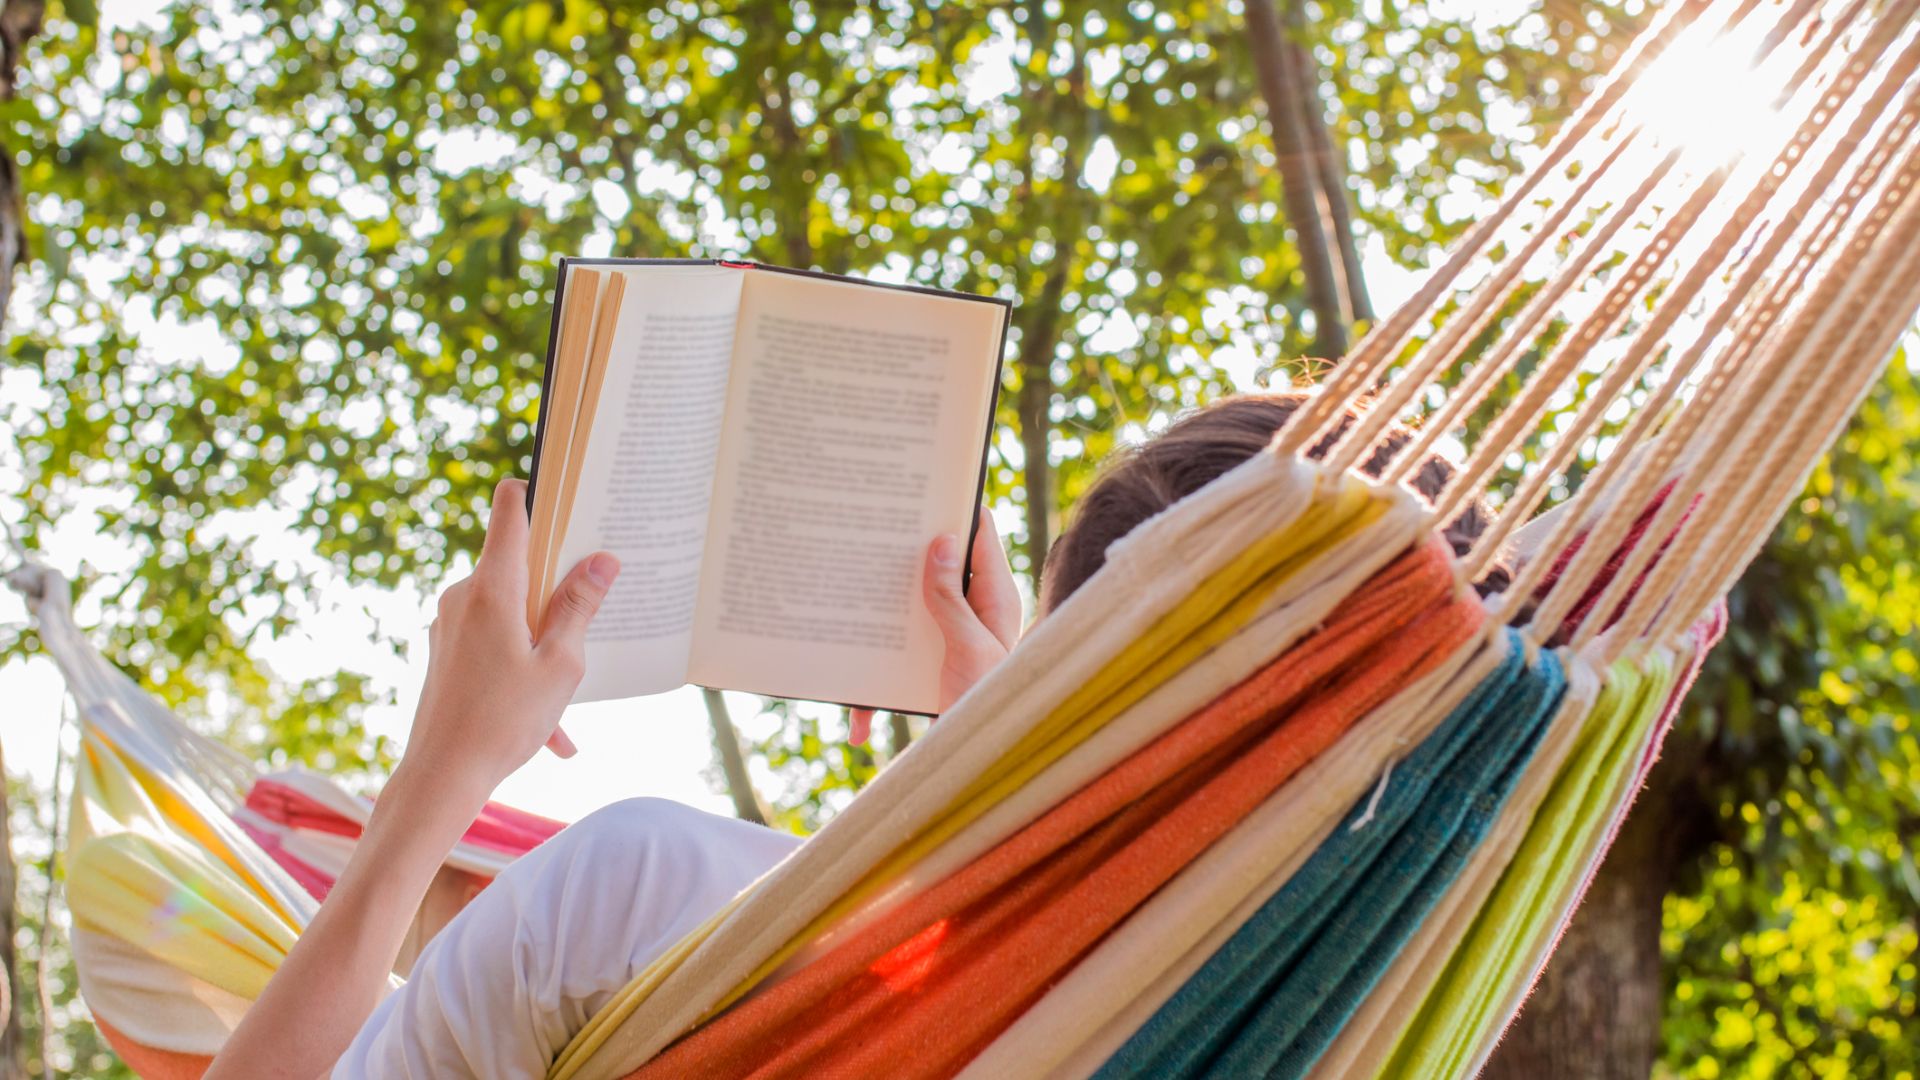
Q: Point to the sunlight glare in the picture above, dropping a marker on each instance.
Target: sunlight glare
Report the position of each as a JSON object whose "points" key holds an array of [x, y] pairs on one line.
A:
{"points": [[1705, 96]]}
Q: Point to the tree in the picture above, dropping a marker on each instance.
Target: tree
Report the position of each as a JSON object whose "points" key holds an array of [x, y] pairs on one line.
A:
{"points": [[1326, 257], [55, 1038], [365, 203], [13, 1050]]}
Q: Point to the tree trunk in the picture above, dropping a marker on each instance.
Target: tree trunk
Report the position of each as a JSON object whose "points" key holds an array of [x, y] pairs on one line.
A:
{"points": [[1040, 335], [901, 733], [1330, 173], [1596, 1012], [13, 1051], [1280, 84], [794, 206], [19, 24], [1034, 409], [747, 804]]}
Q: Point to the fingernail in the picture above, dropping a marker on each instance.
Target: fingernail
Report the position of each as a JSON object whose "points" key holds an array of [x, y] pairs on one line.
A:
{"points": [[602, 569], [946, 549]]}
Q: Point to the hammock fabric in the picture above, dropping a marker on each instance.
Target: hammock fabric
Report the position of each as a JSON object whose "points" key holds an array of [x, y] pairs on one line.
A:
{"points": [[973, 950], [189, 872], [280, 810], [1276, 792], [1295, 971]]}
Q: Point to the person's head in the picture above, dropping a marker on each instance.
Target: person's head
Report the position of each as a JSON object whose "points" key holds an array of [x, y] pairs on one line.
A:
{"points": [[1139, 481]]}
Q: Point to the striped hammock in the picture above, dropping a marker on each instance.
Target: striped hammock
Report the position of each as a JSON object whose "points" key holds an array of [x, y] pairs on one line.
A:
{"points": [[1276, 793]]}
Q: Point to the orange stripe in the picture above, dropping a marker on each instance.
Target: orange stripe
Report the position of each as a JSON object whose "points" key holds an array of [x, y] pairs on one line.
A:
{"points": [[151, 1064]]}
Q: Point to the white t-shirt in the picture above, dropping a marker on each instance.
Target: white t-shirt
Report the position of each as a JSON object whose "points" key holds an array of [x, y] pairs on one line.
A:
{"points": [[501, 990]]}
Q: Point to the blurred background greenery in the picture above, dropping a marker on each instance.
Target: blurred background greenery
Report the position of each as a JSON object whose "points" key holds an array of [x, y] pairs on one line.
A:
{"points": [[357, 207]]}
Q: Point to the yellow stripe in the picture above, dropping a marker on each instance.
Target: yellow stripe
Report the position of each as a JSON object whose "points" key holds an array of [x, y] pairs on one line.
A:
{"points": [[146, 869], [137, 800]]}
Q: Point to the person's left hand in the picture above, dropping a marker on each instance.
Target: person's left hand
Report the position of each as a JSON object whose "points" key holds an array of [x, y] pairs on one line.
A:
{"points": [[980, 625]]}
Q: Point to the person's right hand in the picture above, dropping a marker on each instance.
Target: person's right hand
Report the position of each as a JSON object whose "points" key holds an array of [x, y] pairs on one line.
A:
{"points": [[493, 694], [980, 626]]}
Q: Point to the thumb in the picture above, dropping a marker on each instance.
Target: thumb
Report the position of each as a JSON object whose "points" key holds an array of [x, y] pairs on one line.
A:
{"points": [[945, 601], [574, 604]]}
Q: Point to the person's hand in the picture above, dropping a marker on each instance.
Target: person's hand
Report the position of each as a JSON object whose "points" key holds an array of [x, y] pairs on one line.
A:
{"points": [[980, 626], [493, 694]]}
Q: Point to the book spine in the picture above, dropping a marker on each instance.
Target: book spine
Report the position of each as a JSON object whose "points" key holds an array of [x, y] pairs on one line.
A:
{"points": [[546, 380]]}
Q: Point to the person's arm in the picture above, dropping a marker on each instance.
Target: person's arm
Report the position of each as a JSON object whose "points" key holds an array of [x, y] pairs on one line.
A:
{"points": [[492, 696], [980, 624]]}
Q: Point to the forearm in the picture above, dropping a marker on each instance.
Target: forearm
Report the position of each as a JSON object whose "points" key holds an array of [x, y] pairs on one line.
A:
{"points": [[492, 697], [335, 974]]}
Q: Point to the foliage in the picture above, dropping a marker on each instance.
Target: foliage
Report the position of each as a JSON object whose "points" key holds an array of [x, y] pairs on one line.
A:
{"points": [[814, 771], [364, 202], [1794, 951], [303, 178]]}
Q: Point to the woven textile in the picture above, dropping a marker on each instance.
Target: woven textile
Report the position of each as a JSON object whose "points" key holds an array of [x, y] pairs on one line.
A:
{"points": [[996, 934], [1276, 992]]}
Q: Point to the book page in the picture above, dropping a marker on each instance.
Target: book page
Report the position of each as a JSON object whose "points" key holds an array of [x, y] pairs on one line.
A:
{"points": [[646, 476], [855, 424]]}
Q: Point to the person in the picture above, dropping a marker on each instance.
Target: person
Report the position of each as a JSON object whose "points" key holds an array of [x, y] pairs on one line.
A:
{"points": [[503, 987]]}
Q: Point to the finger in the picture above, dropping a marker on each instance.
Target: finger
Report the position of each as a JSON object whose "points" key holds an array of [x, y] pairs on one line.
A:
{"points": [[505, 549], [575, 602], [859, 726], [993, 595], [561, 746]]}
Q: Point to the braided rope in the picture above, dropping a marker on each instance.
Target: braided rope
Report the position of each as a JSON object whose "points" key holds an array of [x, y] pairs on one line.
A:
{"points": [[1758, 435], [1374, 351], [1737, 361], [1760, 317]]}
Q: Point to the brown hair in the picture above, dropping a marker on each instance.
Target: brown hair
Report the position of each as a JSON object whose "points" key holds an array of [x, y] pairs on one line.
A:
{"points": [[1140, 481]]}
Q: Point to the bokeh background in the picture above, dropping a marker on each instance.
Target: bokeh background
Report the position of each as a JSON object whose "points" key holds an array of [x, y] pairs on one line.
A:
{"points": [[280, 280]]}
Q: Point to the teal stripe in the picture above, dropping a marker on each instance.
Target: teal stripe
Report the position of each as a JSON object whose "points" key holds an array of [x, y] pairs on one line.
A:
{"points": [[1271, 1000]]}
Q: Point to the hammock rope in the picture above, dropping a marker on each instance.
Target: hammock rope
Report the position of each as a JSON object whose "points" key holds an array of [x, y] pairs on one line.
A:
{"points": [[1275, 792], [1359, 368], [1707, 403], [1769, 426]]}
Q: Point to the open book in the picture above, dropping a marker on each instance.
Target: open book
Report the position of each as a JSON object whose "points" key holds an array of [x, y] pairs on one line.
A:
{"points": [[768, 452]]}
